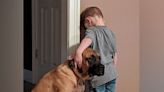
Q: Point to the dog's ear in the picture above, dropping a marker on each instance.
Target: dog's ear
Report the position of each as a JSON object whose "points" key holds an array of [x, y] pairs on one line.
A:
{"points": [[91, 60]]}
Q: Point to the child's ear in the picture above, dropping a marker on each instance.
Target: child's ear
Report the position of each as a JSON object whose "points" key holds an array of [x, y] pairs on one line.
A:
{"points": [[89, 20]]}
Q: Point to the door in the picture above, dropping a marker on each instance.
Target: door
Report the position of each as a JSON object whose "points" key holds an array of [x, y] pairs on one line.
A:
{"points": [[55, 25], [47, 29]]}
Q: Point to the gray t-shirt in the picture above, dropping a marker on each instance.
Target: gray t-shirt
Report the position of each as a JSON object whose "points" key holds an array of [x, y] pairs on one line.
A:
{"points": [[103, 41]]}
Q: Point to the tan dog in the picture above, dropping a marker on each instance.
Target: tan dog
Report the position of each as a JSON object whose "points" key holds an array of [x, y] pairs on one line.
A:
{"points": [[67, 78]]}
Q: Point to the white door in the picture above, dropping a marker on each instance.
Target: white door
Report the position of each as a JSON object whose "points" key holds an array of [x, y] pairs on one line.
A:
{"points": [[47, 36], [55, 24]]}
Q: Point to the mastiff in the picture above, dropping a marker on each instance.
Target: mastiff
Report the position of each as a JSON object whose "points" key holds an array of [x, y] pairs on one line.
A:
{"points": [[67, 77]]}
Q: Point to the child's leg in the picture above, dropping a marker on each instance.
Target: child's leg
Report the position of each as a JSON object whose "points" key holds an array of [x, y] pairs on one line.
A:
{"points": [[111, 86], [108, 87], [100, 88]]}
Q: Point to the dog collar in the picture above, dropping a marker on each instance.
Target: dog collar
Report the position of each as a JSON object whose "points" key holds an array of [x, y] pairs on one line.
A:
{"points": [[71, 64], [77, 71]]}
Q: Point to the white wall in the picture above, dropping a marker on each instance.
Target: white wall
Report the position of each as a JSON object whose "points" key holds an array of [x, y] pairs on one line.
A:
{"points": [[11, 46], [152, 45]]}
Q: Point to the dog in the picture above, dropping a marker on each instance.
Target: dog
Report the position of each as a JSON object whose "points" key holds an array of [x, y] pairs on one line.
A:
{"points": [[67, 77]]}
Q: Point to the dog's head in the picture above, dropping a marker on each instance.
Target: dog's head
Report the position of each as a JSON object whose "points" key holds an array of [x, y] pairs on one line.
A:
{"points": [[91, 63]]}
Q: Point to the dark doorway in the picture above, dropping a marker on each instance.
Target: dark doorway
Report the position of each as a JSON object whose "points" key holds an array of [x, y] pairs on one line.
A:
{"points": [[27, 41], [28, 35]]}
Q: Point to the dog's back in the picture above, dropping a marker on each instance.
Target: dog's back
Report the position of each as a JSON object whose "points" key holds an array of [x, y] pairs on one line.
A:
{"points": [[61, 79]]}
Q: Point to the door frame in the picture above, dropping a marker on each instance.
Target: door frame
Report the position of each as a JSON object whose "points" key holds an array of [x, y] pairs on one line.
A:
{"points": [[70, 39], [73, 16]]}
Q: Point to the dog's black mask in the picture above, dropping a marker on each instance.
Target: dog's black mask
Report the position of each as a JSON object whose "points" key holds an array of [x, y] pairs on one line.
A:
{"points": [[94, 67], [97, 69]]}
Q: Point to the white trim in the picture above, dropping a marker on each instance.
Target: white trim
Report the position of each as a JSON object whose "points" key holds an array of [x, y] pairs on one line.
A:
{"points": [[73, 25]]}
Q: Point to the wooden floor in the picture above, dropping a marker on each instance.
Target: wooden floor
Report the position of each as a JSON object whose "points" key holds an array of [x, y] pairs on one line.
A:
{"points": [[28, 86]]}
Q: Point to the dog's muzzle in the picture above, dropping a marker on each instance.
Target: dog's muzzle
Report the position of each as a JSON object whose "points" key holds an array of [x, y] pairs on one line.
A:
{"points": [[97, 69]]}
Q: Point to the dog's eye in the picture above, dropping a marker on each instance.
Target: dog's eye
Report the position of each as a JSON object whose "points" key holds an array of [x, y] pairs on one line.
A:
{"points": [[99, 58], [91, 60]]}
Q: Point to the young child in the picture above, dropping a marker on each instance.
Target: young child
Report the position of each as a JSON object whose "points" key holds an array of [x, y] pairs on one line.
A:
{"points": [[100, 38]]}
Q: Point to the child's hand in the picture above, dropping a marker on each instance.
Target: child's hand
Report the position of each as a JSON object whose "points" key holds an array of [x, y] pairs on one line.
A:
{"points": [[115, 59], [78, 60]]}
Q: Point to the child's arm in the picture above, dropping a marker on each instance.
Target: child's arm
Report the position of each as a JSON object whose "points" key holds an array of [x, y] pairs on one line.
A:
{"points": [[115, 59], [86, 42]]}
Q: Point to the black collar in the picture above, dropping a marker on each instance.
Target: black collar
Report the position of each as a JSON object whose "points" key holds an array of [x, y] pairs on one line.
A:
{"points": [[71, 64]]}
